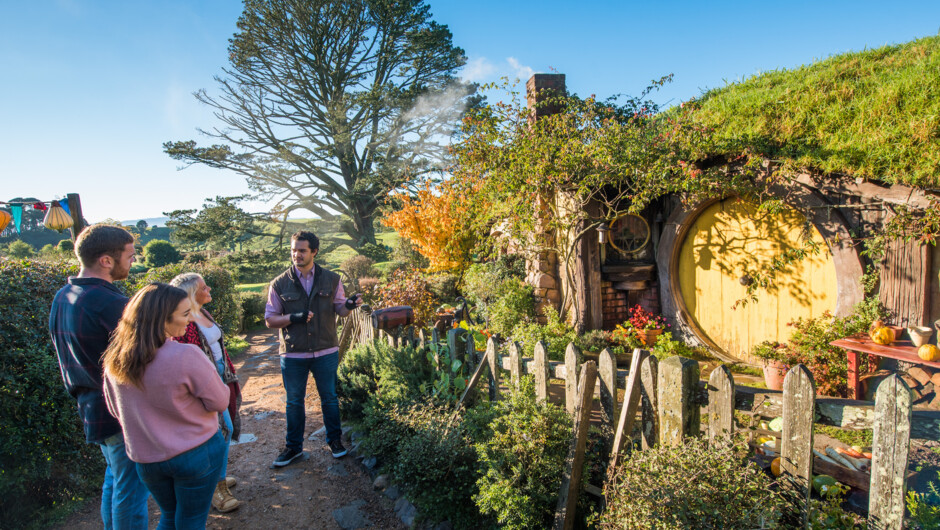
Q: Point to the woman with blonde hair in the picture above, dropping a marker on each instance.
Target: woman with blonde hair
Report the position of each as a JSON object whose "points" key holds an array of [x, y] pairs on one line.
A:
{"points": [[203, 332], [167, 397]]}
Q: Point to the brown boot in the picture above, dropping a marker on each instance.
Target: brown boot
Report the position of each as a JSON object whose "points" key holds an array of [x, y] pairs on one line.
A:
{"points": [[230, 482], [222, 499]]}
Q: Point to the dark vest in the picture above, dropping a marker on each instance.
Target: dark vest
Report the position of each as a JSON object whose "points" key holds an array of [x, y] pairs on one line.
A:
{"points": [[320, 332]]}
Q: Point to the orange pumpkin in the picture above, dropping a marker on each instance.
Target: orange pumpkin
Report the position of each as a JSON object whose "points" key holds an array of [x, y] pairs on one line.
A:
{"points": [[775, 467], [882, 335], [929, 352]]}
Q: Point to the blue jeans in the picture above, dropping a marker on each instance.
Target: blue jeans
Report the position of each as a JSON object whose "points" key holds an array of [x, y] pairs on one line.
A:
{"points": [[227, 418], [123, 494], [294, 373], [183, 485]]}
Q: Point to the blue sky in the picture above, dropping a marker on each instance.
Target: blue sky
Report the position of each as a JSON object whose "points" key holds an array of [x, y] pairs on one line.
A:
{"points": [[90, 89]]}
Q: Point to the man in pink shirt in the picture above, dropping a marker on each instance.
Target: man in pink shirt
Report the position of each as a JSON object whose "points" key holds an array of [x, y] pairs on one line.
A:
{"points": [[303, 303]]}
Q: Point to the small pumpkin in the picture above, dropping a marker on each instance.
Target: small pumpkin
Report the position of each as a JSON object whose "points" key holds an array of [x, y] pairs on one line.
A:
{"points": [[882, 335], [775, 467], [929, 352]]}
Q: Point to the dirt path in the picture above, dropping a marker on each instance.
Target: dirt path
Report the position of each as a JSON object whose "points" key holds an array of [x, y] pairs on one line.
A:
{"points": [[305, 494]]}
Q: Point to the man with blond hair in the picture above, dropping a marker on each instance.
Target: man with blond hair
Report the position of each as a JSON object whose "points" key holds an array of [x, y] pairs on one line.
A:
{"points": [[84, 313]]}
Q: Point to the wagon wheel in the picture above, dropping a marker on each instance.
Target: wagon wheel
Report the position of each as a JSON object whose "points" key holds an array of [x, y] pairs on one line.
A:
{"points": [[629, 234]]}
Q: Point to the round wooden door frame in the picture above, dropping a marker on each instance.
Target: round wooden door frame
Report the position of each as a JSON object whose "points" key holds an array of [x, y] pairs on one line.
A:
{"points": [[828, 221]]}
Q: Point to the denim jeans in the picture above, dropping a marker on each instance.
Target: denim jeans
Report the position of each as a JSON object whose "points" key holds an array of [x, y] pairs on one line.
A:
{"points": [[123, 494], [183, 485], [294, 373], [227, 418]]}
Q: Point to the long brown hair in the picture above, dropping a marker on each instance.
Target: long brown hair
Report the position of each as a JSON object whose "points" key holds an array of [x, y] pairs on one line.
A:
{"points": [[140, 332]]}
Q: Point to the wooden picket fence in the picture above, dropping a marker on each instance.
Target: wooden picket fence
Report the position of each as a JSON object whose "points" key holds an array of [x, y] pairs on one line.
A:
{"points": [[669, 398]]}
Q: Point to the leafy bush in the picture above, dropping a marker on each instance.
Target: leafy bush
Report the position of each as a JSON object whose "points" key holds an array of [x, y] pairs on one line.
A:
{"points": [[924, 508], [522, 458], [158, 253], [481, 284], [43, 455], [443, 286], [378, 371], [369, 287], [377, 252], [593, 341], [66, 246], [252, 309], [409, 288], [251, 266], [224, 307], [810, 340], [405, 252], [688, 486], [20, 249], [513, 305], [666, 347], [555, 333], [359, 267]]}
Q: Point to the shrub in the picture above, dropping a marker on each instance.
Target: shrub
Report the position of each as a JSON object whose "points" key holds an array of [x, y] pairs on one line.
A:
{"points": [[481, 284], [253, 266], [555, 333], [377, 252], [593, 341], [405, 252], [691, 485], [666, 347], [369, 287], [513, 305], [158, 253], [376, 370], [224, 307], [252, 309], [359, 267], [66, 246], [20, 249], [409, 288], [443, 286], [43, 455], [810, 340], [924, 508], [522, 458]]}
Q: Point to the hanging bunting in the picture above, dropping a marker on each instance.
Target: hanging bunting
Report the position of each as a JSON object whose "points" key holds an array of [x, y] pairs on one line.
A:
{"points": [[4, 220], [56, 218], [64, 203], [17, 211], [41, 206]]}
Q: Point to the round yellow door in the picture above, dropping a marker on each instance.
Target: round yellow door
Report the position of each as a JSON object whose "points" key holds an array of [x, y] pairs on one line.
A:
{"points": [[726, 245]]}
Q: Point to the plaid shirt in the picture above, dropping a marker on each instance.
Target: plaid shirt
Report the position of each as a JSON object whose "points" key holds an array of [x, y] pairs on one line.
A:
{"points": [[84, 313]]}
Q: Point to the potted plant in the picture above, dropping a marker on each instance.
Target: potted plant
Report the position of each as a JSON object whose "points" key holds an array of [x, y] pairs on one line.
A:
{"points": [[644, 325], [777, 359]]}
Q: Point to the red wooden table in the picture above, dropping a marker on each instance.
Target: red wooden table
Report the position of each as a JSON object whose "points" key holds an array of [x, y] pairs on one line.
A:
{"points": [[901, 350]]}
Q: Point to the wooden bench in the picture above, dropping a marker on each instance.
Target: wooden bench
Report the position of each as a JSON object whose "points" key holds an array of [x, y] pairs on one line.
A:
{"points": [[901, 350]]}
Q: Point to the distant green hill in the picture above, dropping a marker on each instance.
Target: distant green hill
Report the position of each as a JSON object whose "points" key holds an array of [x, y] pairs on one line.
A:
{"points": [[874, 114]]}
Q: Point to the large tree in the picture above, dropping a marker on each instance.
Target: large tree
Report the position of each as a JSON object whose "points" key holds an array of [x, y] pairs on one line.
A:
{"points": [[221, 224], [330, 104]]}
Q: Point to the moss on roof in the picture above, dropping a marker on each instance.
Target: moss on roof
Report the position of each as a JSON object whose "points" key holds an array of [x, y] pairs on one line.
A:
{"points": [[874, 113]]}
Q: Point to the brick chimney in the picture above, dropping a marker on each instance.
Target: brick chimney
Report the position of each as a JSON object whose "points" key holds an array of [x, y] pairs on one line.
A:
{"points": [[541, 87]]}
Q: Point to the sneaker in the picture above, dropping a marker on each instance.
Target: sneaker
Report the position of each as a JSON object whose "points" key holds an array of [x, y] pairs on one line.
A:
{"points": [[336, 447], [287, 456]]}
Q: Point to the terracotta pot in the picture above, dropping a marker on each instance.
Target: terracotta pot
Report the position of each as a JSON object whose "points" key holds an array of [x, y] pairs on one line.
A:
{"points": [[774, 373], [649, 336], [920, 335], [897, 330]]}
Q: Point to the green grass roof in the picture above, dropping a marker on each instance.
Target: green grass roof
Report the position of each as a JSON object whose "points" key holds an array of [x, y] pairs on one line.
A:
{"points": [[874, 114]]}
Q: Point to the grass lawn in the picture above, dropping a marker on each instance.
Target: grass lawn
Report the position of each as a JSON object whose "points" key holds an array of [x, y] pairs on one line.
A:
{"points": [[251, 287]]}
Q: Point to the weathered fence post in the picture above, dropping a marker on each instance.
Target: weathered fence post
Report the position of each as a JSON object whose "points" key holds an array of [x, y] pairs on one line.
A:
{"points": [[515, 363], [679, 414], [571, 377], [571, 476], [471, 349], [456, 344], [492, 357], [607, 374], [649, 371], [720, 404], [410, 336], [631, 401], [422, 338], [890, 451], [435, 336], [541, 371], [796, 450]]}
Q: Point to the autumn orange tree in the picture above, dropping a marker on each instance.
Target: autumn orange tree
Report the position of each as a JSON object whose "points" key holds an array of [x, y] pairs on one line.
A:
{"points": [[435, 220]]}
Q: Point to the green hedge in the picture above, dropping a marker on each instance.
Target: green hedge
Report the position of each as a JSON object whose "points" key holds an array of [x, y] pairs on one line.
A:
{"points": [[44, 459]]}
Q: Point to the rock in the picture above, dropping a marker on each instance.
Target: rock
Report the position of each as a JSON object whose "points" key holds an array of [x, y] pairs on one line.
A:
{"points": [[380, 482], [350, 516], [408, 516], [339, 470], [446, 525], [392, 492], [369, 463], [400, 504], [920, 375]]}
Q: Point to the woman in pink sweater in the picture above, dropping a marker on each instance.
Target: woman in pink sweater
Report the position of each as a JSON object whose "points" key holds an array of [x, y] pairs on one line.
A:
{"points": [[167, 397]]}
